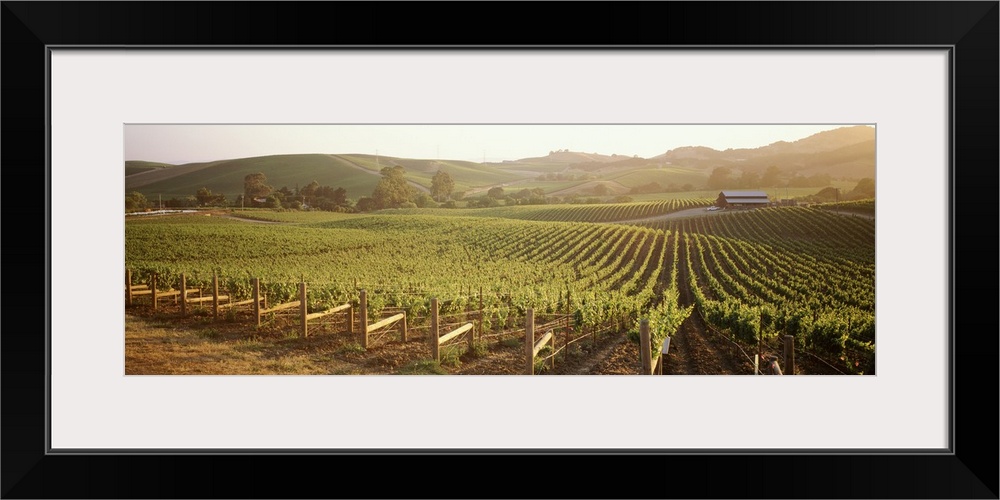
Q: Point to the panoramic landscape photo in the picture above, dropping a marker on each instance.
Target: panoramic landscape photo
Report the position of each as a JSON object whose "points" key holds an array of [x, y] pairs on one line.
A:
{"points": [[499, 249]]}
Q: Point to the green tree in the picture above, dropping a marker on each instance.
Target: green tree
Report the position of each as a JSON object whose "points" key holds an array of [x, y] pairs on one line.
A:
{"points": [[772, 177], [204, 196], [273, 201], [827, 194], [340, 197], [135, 201], [720, 178], [495, 193], [441, 185], [392, 189], [309, 190], [366, 204], [255, 186], [865, 188], [749, 180], [425, 201]]}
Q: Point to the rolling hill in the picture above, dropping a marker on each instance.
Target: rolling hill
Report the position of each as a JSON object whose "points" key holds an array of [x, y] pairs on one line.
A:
{"points": [[133, 167], [466, 174], [844, 153], [226, 176]]}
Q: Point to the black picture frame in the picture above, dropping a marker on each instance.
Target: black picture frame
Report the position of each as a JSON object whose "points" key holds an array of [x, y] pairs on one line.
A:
{"points": [[970, 28]]}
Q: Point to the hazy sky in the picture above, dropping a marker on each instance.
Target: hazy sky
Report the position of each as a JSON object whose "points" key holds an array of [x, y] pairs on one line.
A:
{"points": [[196, 143]]}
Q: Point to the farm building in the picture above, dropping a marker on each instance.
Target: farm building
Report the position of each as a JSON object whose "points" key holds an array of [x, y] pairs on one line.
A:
{"points": [[742, 199]]}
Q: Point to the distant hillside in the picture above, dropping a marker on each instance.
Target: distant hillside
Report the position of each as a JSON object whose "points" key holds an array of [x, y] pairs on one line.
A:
{"points": [[843, 152], [819, 142], [666, 176], [691, 153], [571, 157], [466, 174], [153, 176], [133, 167], [226, 176], [854, 161], [619, 164]]}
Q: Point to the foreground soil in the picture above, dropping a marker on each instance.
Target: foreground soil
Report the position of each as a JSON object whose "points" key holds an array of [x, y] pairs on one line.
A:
{"points": [[165, 343]]}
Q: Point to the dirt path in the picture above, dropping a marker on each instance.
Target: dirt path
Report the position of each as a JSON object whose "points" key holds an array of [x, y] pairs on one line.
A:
{"points": [[596, 357], [694, 349]]}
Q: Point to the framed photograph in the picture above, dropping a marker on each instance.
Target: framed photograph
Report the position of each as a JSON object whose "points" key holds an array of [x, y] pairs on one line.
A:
{"points": [[166, 86]]}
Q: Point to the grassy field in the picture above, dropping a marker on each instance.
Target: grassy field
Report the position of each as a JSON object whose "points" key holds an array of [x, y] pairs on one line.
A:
{"points": [[465, 174], [664, 176], [532, 167], [281, 171], [136, 166]]}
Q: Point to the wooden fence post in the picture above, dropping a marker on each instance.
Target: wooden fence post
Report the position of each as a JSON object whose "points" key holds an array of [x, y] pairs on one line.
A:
{"points": [[215, 296], [364, 318], [184, 296], [529, 341], [480, 311], [128, 287], [569, 333], [402, 328], [644, 347], [789, 355], [552, 357], [153, 288], [256, 299], [472, 336], [350, 319], [303, 310], [435, 347]]}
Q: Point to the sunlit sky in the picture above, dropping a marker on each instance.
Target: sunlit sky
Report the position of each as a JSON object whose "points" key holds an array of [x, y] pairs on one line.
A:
{"points": [[178, 144]]}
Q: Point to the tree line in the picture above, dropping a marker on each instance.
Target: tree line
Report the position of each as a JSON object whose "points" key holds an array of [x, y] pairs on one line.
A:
{"points": [[724, 178], [392, 191]]}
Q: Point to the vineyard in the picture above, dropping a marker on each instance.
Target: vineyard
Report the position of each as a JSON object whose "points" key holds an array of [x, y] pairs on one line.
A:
{"points": [[788, 271], [750, 278], [602, 213], [863, 207]]}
